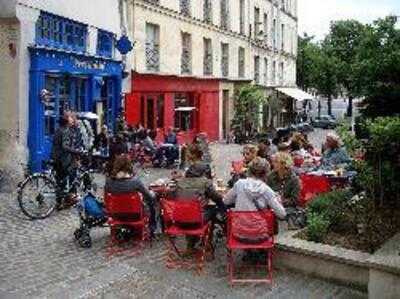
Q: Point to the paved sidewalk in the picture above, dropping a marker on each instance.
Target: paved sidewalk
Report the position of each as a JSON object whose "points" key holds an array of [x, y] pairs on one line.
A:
{"points": [[40, 259]]}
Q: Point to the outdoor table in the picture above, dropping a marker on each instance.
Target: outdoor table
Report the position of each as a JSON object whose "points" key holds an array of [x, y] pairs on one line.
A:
{"points": [[335, 181]]}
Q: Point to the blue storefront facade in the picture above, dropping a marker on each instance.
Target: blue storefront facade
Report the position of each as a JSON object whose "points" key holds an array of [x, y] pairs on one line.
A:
{"points": [[72, 80]]}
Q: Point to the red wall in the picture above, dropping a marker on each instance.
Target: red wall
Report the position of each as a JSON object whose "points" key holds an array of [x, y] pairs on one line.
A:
{"points": [[205, 90]]}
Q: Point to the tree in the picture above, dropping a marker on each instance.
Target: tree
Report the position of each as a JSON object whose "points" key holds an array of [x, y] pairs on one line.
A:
{"points": [[306, 54], [317, 68], [248, 101], [325, 74], [344, 42], [378, 69]]}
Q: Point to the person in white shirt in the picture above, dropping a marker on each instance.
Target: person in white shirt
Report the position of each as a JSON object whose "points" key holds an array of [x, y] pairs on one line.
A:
{"points": [[252, 194]]}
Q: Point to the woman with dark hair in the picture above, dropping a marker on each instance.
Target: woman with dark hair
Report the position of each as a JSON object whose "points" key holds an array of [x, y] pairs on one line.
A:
{"points": [[121, 180]]}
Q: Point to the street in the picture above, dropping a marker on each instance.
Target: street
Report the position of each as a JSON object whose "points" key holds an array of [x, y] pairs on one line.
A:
{"points": [[40, 259]]}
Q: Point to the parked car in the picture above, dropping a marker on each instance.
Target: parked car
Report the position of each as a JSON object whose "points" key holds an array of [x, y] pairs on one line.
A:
{"points": [[325, 122], [303, 127]]}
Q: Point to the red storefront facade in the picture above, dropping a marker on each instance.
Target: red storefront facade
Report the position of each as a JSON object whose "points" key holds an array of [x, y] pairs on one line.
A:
{"points": [[188, 104]]}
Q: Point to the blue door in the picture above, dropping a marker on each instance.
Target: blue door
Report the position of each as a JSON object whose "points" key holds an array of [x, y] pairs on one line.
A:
{"points": [[59, 87], [108, 102]]}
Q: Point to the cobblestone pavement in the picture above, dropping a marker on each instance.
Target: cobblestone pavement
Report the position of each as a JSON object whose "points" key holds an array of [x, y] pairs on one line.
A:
{"points": [[40, 259]]}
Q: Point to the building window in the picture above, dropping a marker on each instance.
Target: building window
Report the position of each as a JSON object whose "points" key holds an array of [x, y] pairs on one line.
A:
{"points": [[283, 5], [58, 32], [208, 57], [283, 37], [274, 34], [266, 28], [105, 43], [152, 47], [265, 71], [225, 60], [281, 74], [207, 11], [224, 15], [186, 58], [241, 56], [156, 2], [242, 17], [274, 73], [184, 111], [185, 7], [256, 22], [257, 69]]}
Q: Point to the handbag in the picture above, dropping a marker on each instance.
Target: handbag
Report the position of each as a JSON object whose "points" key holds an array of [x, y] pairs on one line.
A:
{"points": [[276, 223]]}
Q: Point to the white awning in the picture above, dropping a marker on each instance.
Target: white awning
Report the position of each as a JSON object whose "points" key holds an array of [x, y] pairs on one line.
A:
{"points": [[185, 108], [296, 93]]}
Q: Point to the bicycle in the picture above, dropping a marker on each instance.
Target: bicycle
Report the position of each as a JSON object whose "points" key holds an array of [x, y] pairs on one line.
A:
{"points": [[37, 194]]}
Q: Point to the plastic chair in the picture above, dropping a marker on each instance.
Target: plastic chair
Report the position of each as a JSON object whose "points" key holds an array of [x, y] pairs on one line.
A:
{"points": [[126, 210], [184, 217], [250, 230], [311, 186]]}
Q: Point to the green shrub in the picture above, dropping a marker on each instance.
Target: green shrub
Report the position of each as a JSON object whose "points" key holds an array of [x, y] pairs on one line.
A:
{"points": [[330, 205], [317, 227]]}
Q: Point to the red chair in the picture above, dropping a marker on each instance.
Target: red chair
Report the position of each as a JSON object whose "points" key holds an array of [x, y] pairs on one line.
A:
{"points": [[184, 217], [311, 186], [250, 230], [126, 210]]}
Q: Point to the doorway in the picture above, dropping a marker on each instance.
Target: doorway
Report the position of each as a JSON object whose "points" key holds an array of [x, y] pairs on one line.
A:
{"points": [[225, 114], [152, 111]]}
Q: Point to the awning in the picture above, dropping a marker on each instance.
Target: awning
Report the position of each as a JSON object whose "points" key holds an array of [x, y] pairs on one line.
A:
{"points": [[296, 93], [185, 108]]}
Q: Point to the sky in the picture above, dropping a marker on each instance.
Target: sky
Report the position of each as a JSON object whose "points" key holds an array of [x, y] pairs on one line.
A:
{"points": [[316, 15]]}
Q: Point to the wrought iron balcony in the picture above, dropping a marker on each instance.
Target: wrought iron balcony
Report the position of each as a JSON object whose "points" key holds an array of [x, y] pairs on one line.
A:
{"points": [[225, 66], [207, 11], [257, 77], [186, 62], [155, 2], [208, 64], [185, 7], [152, 57], [224, 15]]}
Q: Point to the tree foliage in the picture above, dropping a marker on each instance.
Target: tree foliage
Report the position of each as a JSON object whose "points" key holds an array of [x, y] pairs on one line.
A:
{"points": [[248, 102], [361, 60]]}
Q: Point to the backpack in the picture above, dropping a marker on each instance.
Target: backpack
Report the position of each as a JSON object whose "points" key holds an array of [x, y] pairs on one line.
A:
{"points": [[93, 207]]}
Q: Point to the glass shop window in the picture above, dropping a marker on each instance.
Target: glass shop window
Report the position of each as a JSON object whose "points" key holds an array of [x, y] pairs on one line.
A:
{"points": [[184, 111], [105, 43], [58, 32]]}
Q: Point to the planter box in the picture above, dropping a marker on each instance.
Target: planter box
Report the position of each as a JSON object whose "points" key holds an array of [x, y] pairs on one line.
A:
{"points": [[378, 273]]}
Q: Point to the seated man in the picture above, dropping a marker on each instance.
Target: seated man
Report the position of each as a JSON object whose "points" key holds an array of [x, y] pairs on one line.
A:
{"points": [[122, 181], [334, 155], [197, 181]]}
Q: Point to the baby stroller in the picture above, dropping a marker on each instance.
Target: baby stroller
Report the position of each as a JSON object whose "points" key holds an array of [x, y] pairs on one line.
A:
{"points": [[91, 214]]}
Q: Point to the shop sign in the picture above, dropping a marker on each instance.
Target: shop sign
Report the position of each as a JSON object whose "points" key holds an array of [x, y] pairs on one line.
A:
{"points": [[84, 64]]}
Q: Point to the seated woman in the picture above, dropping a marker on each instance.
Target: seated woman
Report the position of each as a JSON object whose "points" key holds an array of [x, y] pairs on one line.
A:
{"points": [[283, 180], [122, 180], [334, 155], [250, 152]]}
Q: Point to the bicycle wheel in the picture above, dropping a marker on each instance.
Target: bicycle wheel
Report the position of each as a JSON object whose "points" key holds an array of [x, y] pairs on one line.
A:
{"points": [[37, 196]]}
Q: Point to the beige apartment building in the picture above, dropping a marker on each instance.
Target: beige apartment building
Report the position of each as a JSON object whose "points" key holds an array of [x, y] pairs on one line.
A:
{"points": [[191, 52]]}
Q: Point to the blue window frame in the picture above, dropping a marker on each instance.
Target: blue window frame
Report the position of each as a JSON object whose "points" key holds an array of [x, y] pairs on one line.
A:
{"points": [[59, 32], [105, 43]]}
